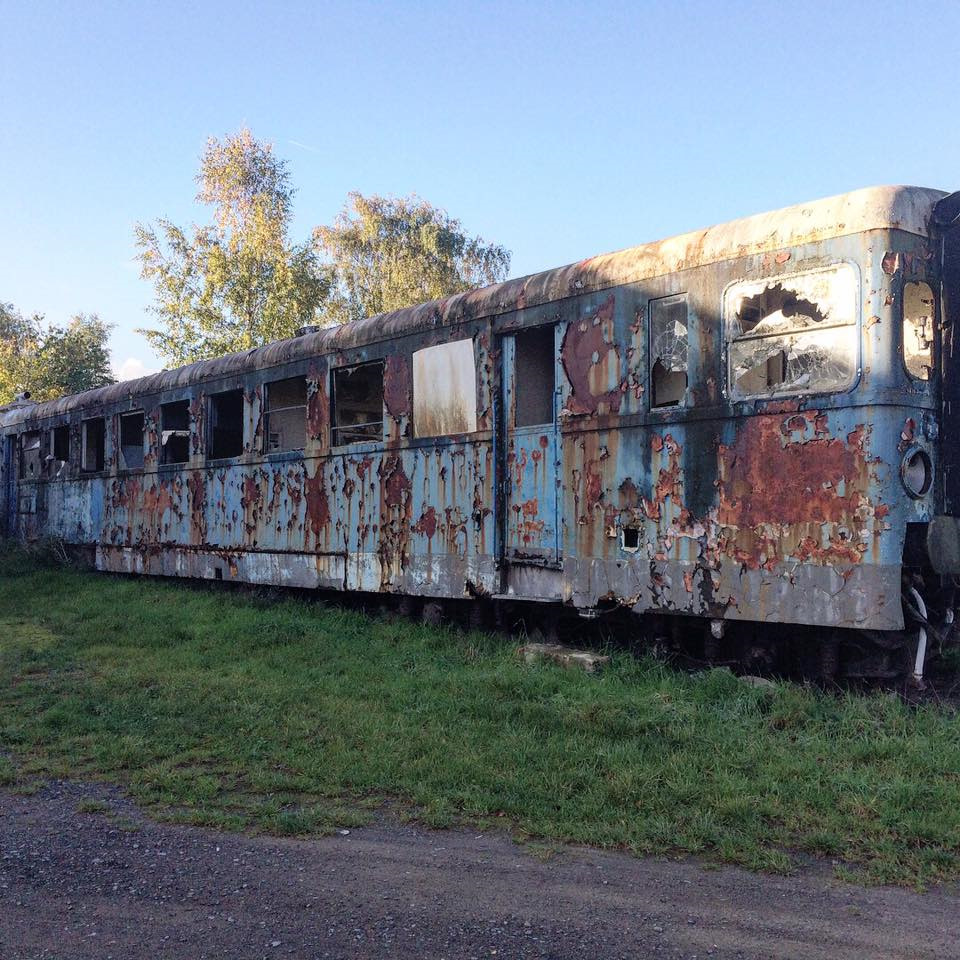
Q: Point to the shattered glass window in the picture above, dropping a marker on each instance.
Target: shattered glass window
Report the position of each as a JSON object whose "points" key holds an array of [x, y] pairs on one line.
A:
{"points": [[669, 350], [919, 311], [797, 334]]}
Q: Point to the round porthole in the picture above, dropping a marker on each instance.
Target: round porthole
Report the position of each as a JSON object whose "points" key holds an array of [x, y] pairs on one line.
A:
{"points": [[916, 472]]}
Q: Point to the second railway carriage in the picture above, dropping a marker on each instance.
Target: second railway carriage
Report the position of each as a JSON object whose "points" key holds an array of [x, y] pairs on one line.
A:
{"points": [[753, 422]]}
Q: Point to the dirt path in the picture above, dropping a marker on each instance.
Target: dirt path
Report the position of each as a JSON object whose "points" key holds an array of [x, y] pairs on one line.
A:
{"points": [[117, 886]]}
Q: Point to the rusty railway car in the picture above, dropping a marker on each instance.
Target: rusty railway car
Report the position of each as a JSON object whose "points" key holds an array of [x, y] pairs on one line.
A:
{"points": [[750, 424]]}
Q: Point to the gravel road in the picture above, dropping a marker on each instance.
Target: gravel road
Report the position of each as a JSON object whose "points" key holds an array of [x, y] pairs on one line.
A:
{"points": [[115, 885]]}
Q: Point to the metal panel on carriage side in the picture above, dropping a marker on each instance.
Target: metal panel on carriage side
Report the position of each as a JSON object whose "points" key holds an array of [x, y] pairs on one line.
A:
{"points": [[787, 508]]}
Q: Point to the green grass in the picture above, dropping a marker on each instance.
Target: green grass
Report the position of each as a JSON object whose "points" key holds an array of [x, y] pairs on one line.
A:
{"points": [[214, 708]]}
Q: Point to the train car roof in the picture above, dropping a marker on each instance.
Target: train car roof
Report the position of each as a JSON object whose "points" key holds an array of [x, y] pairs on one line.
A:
{"points": [[891, 207]]}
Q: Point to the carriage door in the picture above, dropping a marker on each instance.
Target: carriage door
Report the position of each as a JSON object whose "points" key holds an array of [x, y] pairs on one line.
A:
{"points": [[530, 521]]}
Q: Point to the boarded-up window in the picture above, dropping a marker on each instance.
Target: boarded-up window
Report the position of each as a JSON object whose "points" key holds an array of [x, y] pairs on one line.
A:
{"points": [[795, 334], [669, 351], [131, 440], [94, 444], [226, 424], [30, 455], [534, 376], [919, 311], [175, 432], [286, 414], [358, 403], [444, 390]]}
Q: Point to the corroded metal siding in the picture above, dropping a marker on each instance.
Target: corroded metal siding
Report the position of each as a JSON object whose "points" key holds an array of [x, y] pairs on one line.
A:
{"points": [[786, 510]]}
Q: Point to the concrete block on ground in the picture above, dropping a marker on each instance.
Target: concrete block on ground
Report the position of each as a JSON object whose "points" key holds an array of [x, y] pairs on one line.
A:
{"points": [[585, 660]]}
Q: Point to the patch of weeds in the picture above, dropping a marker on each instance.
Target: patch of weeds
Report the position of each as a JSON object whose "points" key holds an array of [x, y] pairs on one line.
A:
{"points": [[544, 852], [92, 806], [126, 824], [28, 788], [8, 773]]}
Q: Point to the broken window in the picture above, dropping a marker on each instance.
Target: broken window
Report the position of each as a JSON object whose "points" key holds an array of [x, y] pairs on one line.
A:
{"points": [[131, 440], [94, 444], [669, 349], [797, 334], [444, 390], [919, 311], [358, 403], [226, 425], [30, 455], [60, 455], [175, 432], [286, 415], [534, 376]]}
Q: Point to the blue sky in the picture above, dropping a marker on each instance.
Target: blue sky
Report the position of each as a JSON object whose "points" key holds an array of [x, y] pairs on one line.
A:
{"points": [[560, 130]]}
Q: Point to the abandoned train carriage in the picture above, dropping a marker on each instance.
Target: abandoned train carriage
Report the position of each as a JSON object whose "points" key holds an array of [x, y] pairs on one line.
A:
{"points": [[742, 423]]}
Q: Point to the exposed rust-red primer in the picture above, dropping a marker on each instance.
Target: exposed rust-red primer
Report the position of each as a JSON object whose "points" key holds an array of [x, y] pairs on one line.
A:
{"points": [[586, 353]]}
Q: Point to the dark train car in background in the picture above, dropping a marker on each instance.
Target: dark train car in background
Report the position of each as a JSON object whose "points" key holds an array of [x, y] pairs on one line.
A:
{"points": [[753, 423]]}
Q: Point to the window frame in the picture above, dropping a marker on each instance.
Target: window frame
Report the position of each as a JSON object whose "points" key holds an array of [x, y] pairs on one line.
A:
{"points": [[935, 324], [667, 300], [21, 455], [53, 458], [548, 332], [84, 428], [163, 461], [335, 428], [211, 399], [728, 319], [143, 438], [265, 441], [470, 411]]}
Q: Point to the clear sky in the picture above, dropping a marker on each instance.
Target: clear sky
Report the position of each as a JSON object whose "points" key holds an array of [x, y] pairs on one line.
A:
{"points": [[560, 130]]}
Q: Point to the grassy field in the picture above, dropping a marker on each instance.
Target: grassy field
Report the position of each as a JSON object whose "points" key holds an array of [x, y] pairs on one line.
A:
{"points": [[217, 708]]}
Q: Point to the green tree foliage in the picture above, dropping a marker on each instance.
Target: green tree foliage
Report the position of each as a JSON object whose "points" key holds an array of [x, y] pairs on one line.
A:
{"points": [[239, 281], [19, 338], [51, 361], [390, 252]]}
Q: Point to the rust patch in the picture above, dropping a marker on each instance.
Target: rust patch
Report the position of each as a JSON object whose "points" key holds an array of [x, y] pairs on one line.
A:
{"points": [[396, 483], [890, 262], [765, 481], [197, 489], [907, 434], [197, 406], [252, 503], [397, 386], [586, 354], [318, 409], [427, 524], [317, 504]]}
